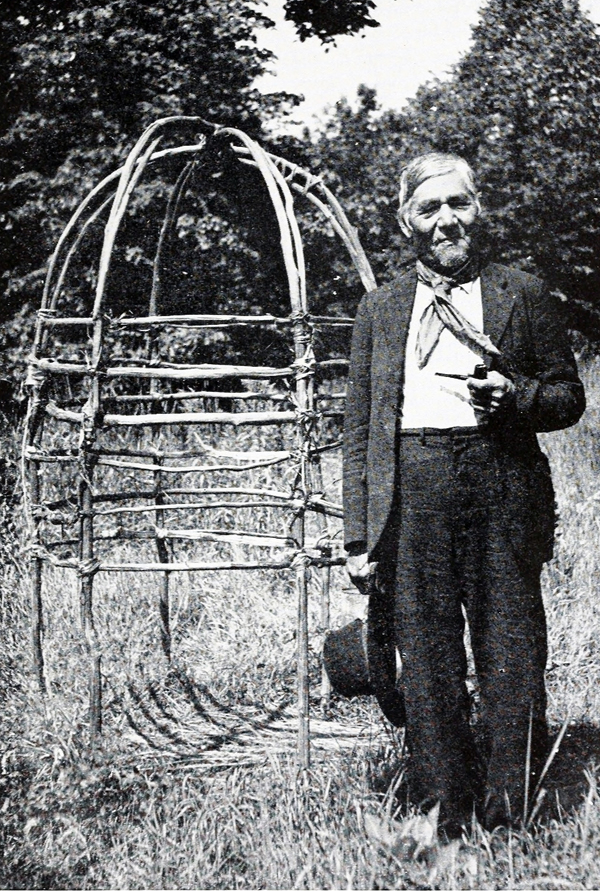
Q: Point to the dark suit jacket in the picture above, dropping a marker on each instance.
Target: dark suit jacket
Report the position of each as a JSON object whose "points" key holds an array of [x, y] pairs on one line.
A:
{"points": [[523, 321]]}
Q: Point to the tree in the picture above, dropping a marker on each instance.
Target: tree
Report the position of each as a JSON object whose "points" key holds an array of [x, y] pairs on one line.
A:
{"points": [[328, 19], [78, 83], [523, 106], [81, 81]]}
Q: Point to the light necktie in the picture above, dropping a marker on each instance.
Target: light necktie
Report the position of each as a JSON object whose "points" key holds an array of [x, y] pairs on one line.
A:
{"points": [[440, 314]]}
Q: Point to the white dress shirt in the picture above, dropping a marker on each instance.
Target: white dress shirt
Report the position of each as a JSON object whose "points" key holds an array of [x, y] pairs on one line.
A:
{"points": [[441, 402]]}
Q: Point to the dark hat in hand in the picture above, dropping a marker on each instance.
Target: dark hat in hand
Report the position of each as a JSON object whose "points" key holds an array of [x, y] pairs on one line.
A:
{"points": [[345, 660]]}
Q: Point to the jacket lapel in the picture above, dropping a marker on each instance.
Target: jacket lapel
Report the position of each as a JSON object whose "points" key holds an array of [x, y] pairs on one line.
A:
{"points": [[498, 301], [396, 313]]}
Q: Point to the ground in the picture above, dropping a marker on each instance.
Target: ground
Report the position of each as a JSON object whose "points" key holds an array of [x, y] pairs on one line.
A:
{"points": [[195, 782]]}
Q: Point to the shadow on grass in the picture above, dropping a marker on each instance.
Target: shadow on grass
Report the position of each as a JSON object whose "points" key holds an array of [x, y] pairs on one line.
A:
{"points": [[183, 720], [566, 783]]}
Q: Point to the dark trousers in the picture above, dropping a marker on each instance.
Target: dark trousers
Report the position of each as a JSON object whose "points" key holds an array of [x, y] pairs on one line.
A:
{"points": [[454, 553]]}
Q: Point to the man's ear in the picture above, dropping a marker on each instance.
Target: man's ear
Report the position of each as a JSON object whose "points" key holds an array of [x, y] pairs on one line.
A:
{"points": [[478, 203], [405, 226]]}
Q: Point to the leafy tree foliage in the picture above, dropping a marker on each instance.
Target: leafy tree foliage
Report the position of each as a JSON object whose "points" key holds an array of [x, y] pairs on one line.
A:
{"points": [[523, 106], [328, 19], [81, 80]]}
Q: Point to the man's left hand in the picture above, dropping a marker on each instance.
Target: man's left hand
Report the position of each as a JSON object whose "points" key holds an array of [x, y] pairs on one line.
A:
{"points": [[491, 394]]}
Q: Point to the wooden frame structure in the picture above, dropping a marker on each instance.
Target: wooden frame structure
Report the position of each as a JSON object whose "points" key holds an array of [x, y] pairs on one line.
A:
{"points": [[98, 445]]}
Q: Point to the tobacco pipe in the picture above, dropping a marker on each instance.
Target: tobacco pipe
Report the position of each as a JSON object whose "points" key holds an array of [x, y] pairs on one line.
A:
{"points": [[480, 374]]}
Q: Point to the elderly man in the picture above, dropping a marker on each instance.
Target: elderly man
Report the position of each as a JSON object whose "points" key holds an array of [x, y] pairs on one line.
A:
{"points": [[455, 366]]}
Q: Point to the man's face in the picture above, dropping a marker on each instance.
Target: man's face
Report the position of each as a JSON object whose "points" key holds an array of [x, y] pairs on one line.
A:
{"points": [[441, 220]]}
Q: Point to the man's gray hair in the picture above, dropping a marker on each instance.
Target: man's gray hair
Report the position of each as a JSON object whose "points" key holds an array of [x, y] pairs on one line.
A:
{"points": [[432, 164]]}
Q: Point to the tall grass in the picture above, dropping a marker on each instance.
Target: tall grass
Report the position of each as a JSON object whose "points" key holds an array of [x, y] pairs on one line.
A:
{"points": [[195, 784]]}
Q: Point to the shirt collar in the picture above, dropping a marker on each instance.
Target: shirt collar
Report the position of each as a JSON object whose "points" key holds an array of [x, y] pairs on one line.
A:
{"points": [[467, 287]]}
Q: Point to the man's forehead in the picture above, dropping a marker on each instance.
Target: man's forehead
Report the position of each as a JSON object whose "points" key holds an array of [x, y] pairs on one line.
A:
{"points": [[442, 185]]}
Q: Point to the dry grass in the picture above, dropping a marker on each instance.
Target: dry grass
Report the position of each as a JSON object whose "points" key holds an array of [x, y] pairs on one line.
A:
{"points": [[196, 786]]}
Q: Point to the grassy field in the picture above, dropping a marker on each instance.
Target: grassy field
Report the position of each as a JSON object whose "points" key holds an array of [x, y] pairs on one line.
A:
{"points": [[195, 784]]}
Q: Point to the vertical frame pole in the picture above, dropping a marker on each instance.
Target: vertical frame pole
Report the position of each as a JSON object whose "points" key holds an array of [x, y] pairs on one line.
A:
{"points": [[325, 622], [86, 591], [87, 561], [325, 578], [164, 556], [304, 393], [36, 570], [31, 497], [293, 256], [303, 691]]}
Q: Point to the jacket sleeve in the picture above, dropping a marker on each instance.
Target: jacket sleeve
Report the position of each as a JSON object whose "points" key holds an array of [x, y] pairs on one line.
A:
{"points": [[356, 433], [549, 394]]}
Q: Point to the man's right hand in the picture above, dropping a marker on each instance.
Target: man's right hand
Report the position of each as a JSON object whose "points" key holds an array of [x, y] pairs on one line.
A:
{"points": [[360, 570]]}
